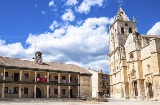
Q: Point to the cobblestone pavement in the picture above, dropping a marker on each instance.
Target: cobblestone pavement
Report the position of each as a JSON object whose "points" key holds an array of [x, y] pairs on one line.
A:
{"points": [[72, 102]]}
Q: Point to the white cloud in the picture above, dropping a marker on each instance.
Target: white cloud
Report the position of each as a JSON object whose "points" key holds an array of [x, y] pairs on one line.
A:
{"points": [[68, 15], [53, 25], [43, 12], [72, 2], [85, 6], [155, 30], [51, 3], [85, 45]]}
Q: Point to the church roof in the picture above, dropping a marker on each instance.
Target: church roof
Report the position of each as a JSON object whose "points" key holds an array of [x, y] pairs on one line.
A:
{"points": [[121, 15], [31, 65]]}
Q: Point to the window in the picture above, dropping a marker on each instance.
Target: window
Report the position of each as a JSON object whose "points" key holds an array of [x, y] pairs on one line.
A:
{"points": [[131, 55], [126, 24], [6, 90], [56, 77], [25, 90], [100, 83], [6, 74], [38, 75], [122, 30], [70, 78], [49, 77], [63, 77], [130, 30], [49, 90], [55, 91], [16, 90], [63, 91], [26, 76]]}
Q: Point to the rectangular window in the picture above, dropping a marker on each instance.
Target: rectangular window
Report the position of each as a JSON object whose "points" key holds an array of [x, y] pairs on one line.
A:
{"points": [[49, 77], [6, 90], [38, 75], [55, 91], [70, 78], [63, 77], [26, 76], [49, 90], [6, 74], [16, 90], [25, 90], [56, 77], [63, 91]]}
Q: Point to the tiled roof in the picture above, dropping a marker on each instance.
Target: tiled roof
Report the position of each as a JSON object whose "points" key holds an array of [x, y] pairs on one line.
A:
{"points": [[16, 62]]}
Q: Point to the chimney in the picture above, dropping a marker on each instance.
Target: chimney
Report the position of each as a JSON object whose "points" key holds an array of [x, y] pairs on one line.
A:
{"points": [[89, 68]]}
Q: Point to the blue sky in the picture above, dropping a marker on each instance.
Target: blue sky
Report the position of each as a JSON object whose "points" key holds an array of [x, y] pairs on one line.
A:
{"points": [[69, 31]]}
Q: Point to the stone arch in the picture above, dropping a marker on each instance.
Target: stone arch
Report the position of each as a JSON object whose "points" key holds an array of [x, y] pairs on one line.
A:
{"points": [[40, 91]]}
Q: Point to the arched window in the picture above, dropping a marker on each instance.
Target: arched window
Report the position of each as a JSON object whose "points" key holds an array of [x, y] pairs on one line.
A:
{"points": [[131, 55], [126, 24], [130, 30], [122, 30]]}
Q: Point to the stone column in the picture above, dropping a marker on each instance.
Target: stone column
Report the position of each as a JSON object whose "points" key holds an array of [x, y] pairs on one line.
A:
{"points": [[3, 87], [78, 86], [20, 77], [48, 85], [35, 86], [69, 87], [141, 91], [47, 91], [4, 73], [47, 76], [19, 90], [35, 76], [59, 88]]}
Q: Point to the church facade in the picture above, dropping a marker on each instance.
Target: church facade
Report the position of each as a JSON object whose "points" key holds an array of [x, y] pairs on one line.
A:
{"points": [[134, 61]]}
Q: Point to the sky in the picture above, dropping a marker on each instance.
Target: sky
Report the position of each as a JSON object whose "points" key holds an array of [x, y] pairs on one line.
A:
{"points": [[69, 31]]}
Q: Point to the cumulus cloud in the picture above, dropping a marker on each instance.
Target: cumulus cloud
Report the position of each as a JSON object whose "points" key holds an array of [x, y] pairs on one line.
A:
{"points": [[53, 25], [155, 30], [85, 45], [85, 6], [51, 3], [68, 15], [72, 2]]}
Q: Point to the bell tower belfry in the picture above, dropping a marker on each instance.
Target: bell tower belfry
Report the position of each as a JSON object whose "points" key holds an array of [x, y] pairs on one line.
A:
{"points": [[119, 32]]}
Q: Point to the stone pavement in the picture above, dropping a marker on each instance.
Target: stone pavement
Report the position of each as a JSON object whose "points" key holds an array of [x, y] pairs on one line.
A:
{"points": [[72, 102]]}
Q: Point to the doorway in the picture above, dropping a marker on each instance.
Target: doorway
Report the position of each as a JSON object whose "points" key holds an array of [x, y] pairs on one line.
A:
{"points": [[16, 76], [135, 88], [71, 93], [38, 93], [150, 90]]}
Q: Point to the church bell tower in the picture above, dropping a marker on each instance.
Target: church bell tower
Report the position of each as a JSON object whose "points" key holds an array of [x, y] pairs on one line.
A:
{"points": [[119, 32]]}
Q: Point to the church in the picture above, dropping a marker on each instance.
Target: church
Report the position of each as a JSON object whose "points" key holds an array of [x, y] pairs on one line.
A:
{"points": [[134, 61]]}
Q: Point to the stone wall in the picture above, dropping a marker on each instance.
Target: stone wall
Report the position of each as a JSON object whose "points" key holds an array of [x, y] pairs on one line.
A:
{"points": [[86, 86]]}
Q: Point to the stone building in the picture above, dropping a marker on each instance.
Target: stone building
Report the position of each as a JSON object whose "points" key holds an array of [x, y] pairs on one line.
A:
{"points": [[134, 61], [38, 79], [100, 84]]}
